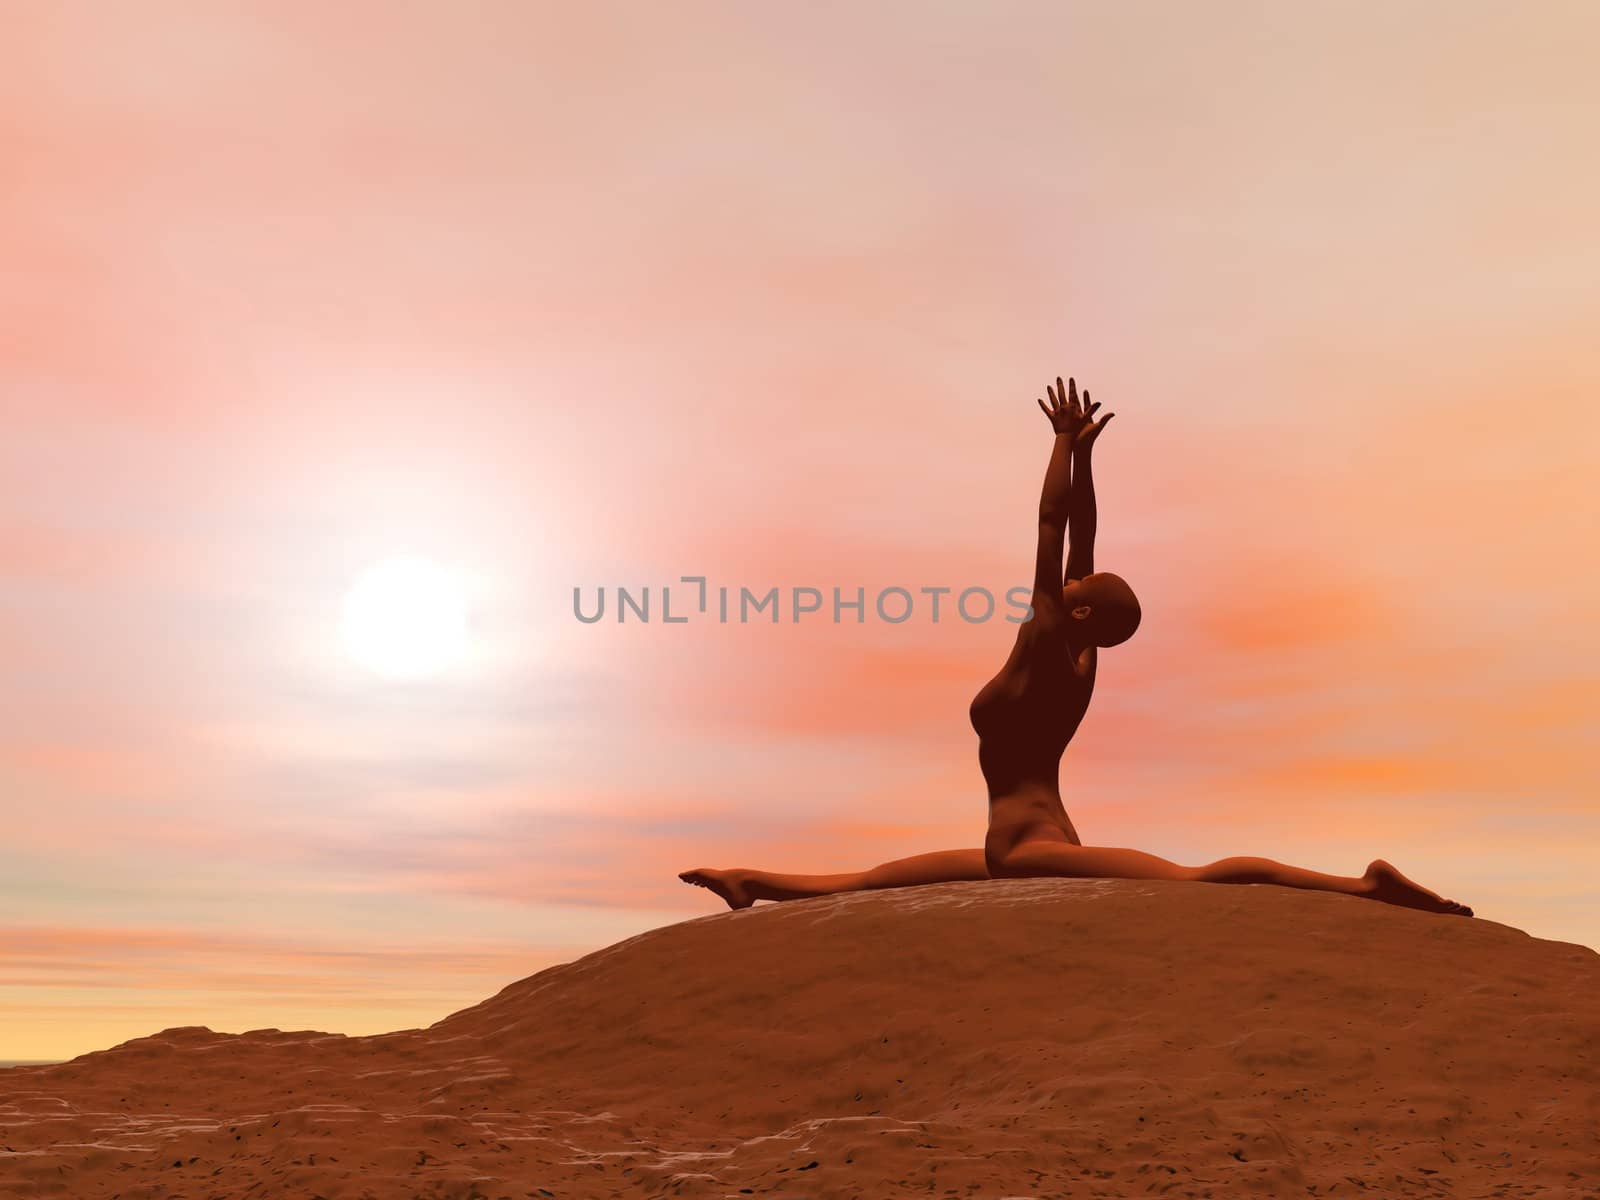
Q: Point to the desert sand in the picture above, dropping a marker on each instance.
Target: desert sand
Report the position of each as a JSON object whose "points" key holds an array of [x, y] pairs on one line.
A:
{"points": [[1023, 1038]]}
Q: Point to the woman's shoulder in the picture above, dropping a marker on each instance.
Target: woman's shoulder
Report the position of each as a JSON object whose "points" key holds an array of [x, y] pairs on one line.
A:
{"points": [[1046, 641]]}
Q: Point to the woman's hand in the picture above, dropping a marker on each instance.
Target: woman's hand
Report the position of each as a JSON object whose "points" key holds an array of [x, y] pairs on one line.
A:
{"points": [[1090, 429], [1064, 411], [1069, 416]]}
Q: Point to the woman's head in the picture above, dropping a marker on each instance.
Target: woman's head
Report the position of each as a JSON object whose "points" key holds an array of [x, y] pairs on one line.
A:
{"points": [[1106, 606]]}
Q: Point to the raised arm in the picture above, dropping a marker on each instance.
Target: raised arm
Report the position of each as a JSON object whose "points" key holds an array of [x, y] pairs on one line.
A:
{"points": [[1055, 501], [1053, 517], [1068, 496], [1082, 515]]}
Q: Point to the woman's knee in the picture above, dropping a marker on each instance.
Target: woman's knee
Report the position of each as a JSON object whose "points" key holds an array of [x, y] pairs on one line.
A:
{"points": [[1237, 870]]}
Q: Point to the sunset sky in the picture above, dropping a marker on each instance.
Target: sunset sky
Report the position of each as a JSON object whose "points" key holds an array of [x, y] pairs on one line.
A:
{"points": [[595, 295]]}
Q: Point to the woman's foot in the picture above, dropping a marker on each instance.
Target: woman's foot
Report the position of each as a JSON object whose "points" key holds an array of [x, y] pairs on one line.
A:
{"points": [[727, 884], [1385, 883]]}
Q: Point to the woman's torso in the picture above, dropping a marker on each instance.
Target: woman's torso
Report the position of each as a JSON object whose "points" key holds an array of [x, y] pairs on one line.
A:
{"points": [[1024, 718]]}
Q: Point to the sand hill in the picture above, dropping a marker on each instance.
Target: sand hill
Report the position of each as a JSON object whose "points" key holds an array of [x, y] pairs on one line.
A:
{"points": [[1029, 1038]]}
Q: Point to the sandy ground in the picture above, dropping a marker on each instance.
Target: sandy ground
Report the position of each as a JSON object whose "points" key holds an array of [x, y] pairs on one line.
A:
{"points": [[1027, 1038]]}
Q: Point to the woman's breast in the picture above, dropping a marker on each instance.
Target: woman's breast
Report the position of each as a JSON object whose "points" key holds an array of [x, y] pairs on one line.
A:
{"points": [[995, 704]]}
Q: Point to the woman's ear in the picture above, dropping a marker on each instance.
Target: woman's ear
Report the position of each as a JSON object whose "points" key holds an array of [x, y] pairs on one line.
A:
{"points": [[1081, 613]]}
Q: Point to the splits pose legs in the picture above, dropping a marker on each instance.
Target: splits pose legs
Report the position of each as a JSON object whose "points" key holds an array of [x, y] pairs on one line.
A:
{"points": [[742, 887], [1028, 712]]}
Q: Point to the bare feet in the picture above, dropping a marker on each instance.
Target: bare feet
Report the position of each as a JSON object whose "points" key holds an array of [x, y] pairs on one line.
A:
{"points": [[727, 884], [1387, 884]]}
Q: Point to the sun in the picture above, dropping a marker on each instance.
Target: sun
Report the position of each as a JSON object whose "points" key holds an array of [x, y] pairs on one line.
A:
{"points": [[406, 618]]}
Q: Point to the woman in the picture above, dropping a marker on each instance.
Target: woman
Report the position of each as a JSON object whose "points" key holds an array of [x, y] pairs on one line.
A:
{"points": [[1026, 715]]}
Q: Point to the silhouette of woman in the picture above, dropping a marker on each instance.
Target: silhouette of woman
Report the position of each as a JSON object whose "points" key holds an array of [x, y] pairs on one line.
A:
{"points": [[1026, 715]]}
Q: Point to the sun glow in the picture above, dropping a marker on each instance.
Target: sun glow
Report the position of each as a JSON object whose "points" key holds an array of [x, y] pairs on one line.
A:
{"points": [[406, 618]]}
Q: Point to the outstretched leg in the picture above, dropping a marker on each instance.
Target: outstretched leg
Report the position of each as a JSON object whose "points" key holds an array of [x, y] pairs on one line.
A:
{"points": [[741, 888], [1380, 881]]}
